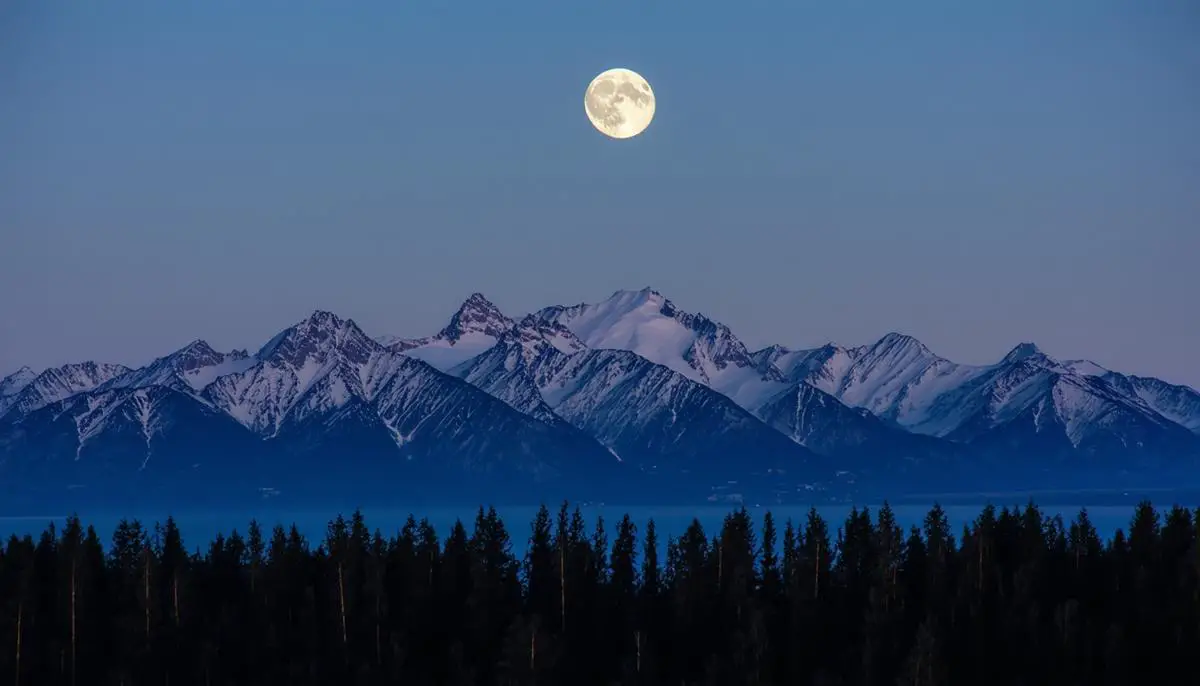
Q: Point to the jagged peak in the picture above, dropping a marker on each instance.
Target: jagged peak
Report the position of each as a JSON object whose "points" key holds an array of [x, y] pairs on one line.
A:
{"points": [[479, 303], [88, 366], [322, 318], [21, 372], [1022, 351], [831, 349], [477, 314], [17, 380], [478, 300], [321, 330], [634, 299], [197, 347], [645, 291], [531, 329]]}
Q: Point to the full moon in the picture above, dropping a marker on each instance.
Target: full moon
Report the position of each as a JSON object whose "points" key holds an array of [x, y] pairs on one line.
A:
{"points": [[619, 103]]}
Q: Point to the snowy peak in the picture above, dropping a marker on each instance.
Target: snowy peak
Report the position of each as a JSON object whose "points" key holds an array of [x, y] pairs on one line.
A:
{"points": [[196, 355], [611, 323], [766, 357], [318, 337], [477, 315], [899, 346], [13, 383], [473, 329], [1024, 351], [896, 378], [1026, 396], [321, 363], [190, 369], [895, 351], [694, 345], [1178, 403], [58, 383], [647, 323], [715, 345]]}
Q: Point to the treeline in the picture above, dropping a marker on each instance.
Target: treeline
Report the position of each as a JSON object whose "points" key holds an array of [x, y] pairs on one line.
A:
{"points": [[1014, 598]]}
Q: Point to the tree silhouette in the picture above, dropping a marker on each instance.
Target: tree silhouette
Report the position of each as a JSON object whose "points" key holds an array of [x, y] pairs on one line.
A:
{"points": [[1017, 598]]}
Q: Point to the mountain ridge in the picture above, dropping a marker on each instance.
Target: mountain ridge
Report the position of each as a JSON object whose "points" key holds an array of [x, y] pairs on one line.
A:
{"points": [[633, 380]]}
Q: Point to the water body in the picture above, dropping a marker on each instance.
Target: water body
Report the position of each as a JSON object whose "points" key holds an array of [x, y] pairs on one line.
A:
{"points": [[200, 528]]}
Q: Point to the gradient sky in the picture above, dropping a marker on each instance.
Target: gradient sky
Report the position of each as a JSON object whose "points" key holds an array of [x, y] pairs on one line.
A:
{"points": [[975, 174]]}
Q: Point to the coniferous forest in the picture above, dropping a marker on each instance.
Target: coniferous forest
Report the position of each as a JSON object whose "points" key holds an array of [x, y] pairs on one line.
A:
{"points": [[1014, 598]]}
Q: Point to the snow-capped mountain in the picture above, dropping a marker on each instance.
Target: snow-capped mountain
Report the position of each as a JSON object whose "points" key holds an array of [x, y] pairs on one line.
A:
{"points": [[101, 437], [627, 398], [897, 379], [903, 383], [1027, 403], [648, 324], [1031, 402], [1177, 403], [13, 384], [190, 369], [319, 407], [24, 394], [316, 365], [766, 383], [650, 417], [324, 388], [473, 329], [861, 440]]}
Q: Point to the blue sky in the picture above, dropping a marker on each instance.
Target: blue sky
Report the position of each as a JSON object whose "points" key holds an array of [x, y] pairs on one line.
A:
{"points": [[974, 174]]}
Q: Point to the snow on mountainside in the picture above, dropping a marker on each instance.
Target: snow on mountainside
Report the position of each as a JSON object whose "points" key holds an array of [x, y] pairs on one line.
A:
{"points": [[444, 416], [646, 323], [324, 387], [52, 385], [647, 414], [896, 379], [13, 384], [1180, 404], [1025, 395], [635, 406], [1086, 410], [649, 417], [190, 369], [323, 393], [472, 330], [770, 383], [509, 370], [821, 423], [322, 350], [104, 438]]}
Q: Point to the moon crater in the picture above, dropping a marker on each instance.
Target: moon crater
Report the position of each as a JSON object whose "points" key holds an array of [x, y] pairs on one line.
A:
{"points": [[619, 103]]}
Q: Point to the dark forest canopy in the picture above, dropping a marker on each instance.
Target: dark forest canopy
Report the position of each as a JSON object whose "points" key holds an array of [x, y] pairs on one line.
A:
{"points": [[1013, 598]]}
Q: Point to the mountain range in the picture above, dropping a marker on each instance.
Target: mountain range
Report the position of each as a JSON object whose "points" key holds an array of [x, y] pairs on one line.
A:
{"points": [[628, 399]]}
